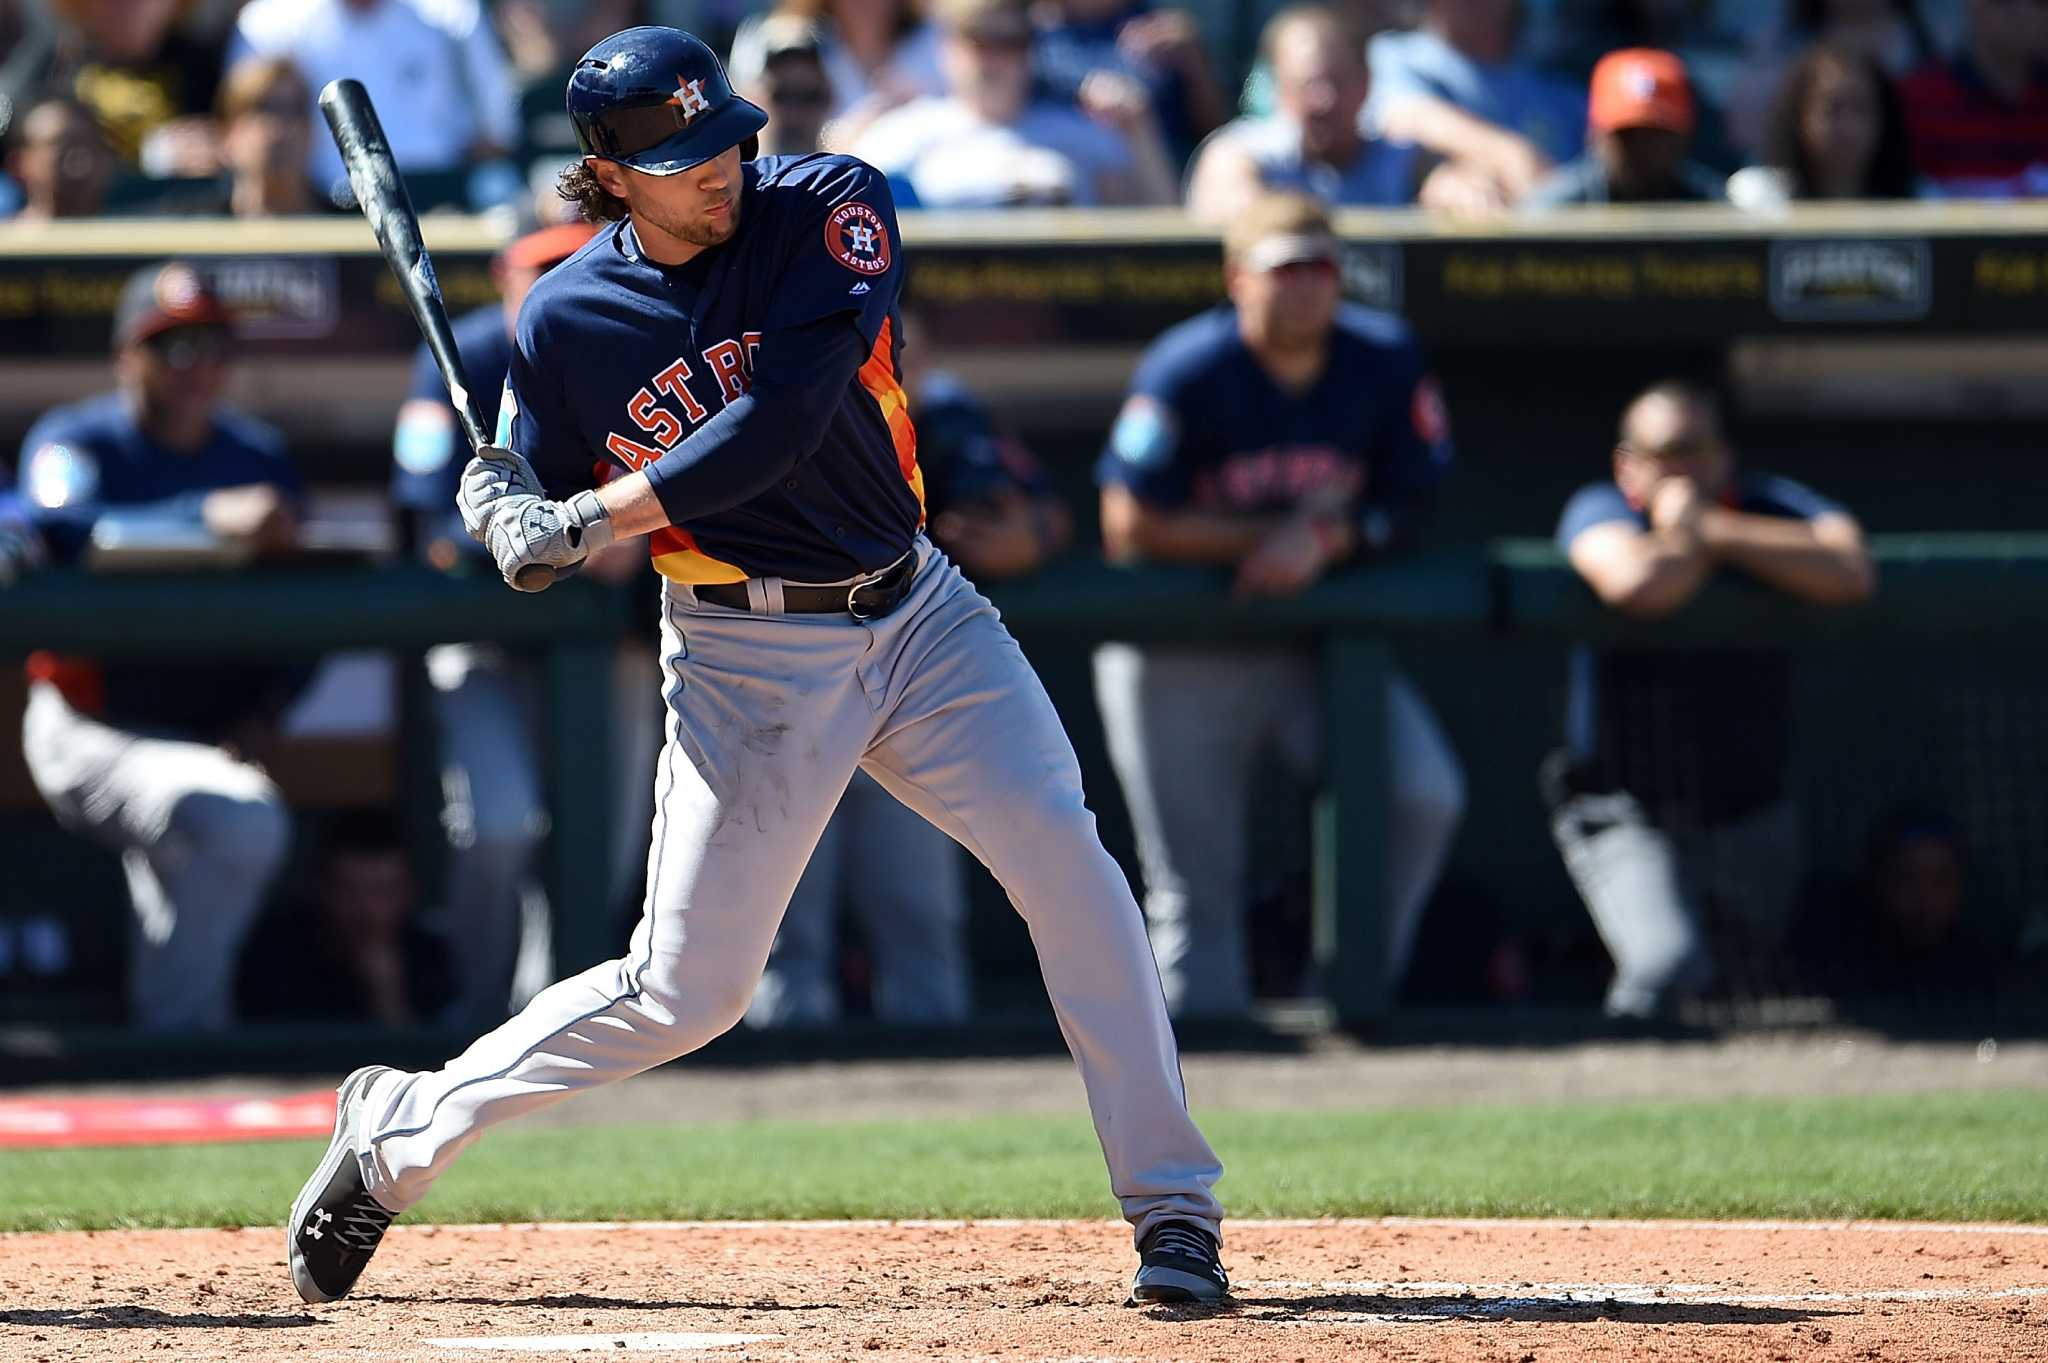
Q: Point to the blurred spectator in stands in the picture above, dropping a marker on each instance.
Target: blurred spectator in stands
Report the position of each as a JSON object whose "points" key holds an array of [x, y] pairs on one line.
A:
{"points": [[1279, 436], [1837, 133], [1979, 119], [1669, 801], [434, 69], [59, 161], [1161, 49], [1313, 143], [485, 701], [150, 86], [1891, 35], [543, 40], [995, 513], [162, 761], [879, 54], [1455, 87], [266, 135], [989, 142], [792, 85], [1640, 125], [353, 950]]}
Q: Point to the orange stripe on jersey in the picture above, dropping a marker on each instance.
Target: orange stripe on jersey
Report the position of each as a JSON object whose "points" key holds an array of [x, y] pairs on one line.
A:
{"points": [[878, 376], [677, 558]]}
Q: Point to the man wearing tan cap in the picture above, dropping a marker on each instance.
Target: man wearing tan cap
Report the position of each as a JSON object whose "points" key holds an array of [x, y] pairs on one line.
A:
{"points": [[1639, 131], [1280, 436]]}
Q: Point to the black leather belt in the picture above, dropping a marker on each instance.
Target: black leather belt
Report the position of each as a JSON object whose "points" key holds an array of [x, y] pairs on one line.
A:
{"points": [[869, 600]]}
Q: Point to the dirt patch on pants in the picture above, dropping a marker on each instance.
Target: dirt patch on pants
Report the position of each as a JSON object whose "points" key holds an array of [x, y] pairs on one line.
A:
{"points": [[1505, 1292]]}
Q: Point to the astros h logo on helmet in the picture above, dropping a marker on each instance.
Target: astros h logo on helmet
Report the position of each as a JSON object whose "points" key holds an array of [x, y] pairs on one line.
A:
{"points": [[689, 97]]}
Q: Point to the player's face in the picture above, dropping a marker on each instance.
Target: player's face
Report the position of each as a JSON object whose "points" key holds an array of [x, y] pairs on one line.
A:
{"points": [[179, 372], [1668, 439], [1287, 307], [694, 208], [1321, 85]]}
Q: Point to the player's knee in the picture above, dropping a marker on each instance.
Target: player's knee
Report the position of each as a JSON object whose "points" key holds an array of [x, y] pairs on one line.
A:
{"points": [[1430, 802], [250, 832]]}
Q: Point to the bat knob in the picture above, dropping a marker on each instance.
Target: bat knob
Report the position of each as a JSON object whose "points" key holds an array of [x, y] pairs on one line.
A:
{"points": [[533, 577]]}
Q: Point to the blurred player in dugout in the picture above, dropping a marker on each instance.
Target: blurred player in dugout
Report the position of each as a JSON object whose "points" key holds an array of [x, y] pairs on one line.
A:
{"points": [[1670, 800], [1279, 435], [485, 700], [162, 760]]}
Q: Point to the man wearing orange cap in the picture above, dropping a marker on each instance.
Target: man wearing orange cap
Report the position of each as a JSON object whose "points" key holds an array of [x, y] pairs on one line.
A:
{"points": [[493, 809], [1639, 131]]}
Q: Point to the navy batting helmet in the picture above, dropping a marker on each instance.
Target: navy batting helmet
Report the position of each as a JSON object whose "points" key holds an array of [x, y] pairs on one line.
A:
{"points": [[657, 99]]}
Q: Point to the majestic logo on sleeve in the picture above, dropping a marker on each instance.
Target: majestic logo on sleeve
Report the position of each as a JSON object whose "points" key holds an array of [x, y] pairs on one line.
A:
{"points": [[689, 97], [858, 239]]}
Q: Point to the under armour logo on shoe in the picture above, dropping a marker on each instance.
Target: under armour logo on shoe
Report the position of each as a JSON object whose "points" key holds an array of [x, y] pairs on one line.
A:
{"points": [[313, 1226], [689, 97], [859, 288]]}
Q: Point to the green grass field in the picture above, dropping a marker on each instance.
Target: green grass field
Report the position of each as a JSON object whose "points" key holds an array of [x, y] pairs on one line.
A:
{"points": [[1974, 1157]]}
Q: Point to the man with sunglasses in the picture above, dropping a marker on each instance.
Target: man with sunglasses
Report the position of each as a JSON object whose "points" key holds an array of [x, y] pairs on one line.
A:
{"points": [[792, 83], [730, 346], [1277, 436], [156, 759], [1669, 800]]}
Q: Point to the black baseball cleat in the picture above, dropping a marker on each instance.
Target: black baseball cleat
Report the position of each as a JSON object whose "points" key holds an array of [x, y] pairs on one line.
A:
{"points": [[336, 1224], [1177, 1262]]}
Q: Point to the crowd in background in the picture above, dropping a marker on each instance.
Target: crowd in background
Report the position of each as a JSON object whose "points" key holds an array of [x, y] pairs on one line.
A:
{"points": [[1471, 107]]}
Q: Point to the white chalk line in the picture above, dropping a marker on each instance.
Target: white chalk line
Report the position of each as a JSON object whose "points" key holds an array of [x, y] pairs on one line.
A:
{"points": [[1646, 1294]]}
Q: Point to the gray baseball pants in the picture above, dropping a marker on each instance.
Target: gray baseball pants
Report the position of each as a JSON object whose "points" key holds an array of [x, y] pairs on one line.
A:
{"points": [[1186, 730], [1655, 892], [905, 880], [769, 717], [201, 835]]}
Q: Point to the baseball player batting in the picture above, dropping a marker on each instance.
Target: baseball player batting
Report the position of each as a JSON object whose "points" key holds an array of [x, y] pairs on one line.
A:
{"points": [[730, 341]]}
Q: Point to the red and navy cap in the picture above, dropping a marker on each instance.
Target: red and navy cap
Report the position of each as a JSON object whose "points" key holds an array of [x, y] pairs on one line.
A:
{"points": [[161, 297]]}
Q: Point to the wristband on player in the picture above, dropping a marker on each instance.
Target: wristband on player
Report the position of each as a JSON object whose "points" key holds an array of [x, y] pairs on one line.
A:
{"points": [[590, 525]]}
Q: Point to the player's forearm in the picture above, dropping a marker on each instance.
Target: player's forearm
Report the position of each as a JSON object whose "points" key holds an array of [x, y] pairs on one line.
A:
{"points": [[1794, 556], [1658, 572], [760, 437], [1195, 537]]}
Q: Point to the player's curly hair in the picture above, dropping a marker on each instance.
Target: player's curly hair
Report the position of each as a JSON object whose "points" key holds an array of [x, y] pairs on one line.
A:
{"points": [[577, 185]]}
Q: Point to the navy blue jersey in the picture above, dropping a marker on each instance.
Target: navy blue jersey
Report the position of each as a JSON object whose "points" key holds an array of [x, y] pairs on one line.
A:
{"points": [[1205, 427], [427, 460], [768, 463], [91, 456], [1701, 736]]}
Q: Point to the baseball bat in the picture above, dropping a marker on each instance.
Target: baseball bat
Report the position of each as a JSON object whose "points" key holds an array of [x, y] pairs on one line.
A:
{"points": [[373, 174]]}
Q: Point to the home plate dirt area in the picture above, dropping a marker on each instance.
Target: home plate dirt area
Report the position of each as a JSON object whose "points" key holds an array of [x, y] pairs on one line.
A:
{"points": [[1022, 1292]]}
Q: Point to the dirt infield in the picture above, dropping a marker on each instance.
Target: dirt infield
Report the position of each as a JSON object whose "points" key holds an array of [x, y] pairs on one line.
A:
{"points": [[1035, 1292]]}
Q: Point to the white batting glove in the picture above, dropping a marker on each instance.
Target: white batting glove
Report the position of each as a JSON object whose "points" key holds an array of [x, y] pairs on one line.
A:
{"points": [[487, 480], [524, 530]]}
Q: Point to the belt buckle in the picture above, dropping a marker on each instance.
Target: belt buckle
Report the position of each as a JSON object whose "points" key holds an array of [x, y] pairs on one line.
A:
{"points": [[887, 572]]}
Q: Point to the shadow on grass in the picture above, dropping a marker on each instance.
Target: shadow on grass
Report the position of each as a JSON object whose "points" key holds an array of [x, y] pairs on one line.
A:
{"points": [[1337, 1307], [149, 1318]]}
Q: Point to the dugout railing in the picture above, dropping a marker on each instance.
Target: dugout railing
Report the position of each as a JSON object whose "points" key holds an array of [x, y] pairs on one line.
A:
{"points": [[1937, 593]]}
